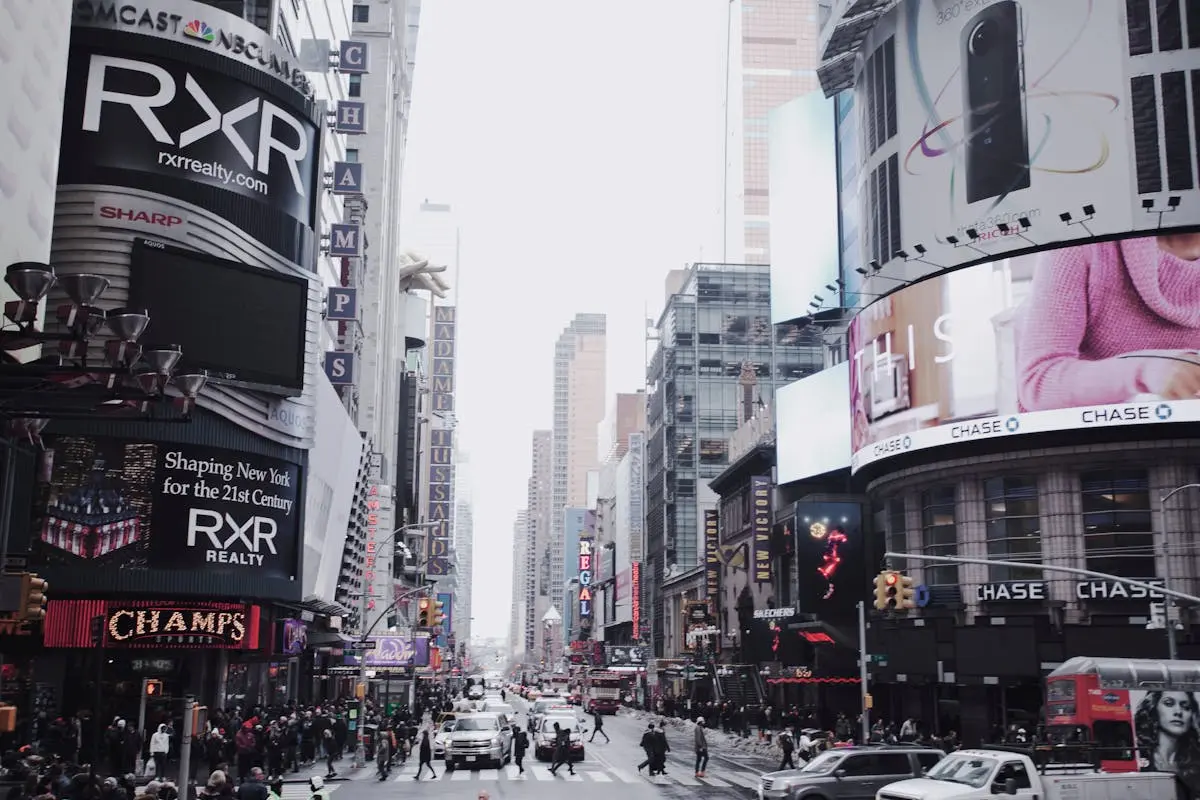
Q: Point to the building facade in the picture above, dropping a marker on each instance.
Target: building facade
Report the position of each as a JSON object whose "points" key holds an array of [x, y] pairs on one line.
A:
{"points": [[773, 57], [626, 416], [715, 343], [516, 620], [579, 382], [535, 575]]}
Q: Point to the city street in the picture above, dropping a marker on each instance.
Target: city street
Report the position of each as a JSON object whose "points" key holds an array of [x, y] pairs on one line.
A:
{"points": [[605, 768]]}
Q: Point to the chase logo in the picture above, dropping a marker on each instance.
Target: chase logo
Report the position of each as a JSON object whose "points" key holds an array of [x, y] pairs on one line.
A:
{"points": [[1162, 411], [1111, 698], [1012, 424], [199, 29], [907, 442]]}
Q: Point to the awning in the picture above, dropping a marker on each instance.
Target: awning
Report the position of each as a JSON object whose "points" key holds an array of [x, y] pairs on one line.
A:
{"points": [[327, 639]]}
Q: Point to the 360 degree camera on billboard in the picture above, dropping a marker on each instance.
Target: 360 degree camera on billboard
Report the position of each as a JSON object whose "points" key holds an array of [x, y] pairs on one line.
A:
{"points": [[1093, 335], [189, 125], [1001, 126]]}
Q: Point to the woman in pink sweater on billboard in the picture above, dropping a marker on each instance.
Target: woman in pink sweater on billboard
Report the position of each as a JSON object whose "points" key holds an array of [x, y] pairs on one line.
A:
{"points": [[1107, 323]]}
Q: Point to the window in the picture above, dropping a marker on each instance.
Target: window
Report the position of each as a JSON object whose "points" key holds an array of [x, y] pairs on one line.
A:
{"points": [[893, 764], [1014, 527], [361, 13], [714, 451], [939, 534], [356, 85], [1015, 770], [897, 530], [352, 154], [928, 760], [857, 766], [1117, 535]]}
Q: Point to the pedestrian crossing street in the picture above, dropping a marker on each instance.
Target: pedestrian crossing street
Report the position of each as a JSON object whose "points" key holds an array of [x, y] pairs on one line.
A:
{"points": [[586, 772]]}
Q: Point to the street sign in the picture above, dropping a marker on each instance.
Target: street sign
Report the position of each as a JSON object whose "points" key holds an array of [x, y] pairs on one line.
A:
{"points": [[369, 644]]}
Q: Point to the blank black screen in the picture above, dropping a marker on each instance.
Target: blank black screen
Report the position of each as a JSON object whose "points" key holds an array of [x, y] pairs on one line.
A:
{"points": [[239, 323]]}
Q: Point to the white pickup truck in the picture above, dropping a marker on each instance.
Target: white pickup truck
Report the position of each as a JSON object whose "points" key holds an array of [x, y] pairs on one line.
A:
{"points": [[990, 773]]}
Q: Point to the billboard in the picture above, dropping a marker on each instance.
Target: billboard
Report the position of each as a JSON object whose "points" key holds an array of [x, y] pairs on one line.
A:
{"points": [[398, 651], [1087, 336], [712, 559], [635, 599], [830, 556], [812, 431], [153, 624], [169, 125], [108, 505], [997, 127], [760, 498], [637, 494], [189, 296], [804, 224], [440, 506], [1166, 729]]}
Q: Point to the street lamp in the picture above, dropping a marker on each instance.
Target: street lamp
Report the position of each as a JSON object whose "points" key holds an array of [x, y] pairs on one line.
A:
{"points": [[70, 382], [360, 752], [1169, 602]]}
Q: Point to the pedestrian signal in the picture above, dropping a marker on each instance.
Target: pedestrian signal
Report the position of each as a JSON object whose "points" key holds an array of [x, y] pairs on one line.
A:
{"points": [[423, 615], [152, 688]]}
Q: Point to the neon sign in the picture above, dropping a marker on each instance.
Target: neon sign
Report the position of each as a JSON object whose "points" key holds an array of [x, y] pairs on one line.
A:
{"points": [[635, 598], [585, 579], [831, 558]]}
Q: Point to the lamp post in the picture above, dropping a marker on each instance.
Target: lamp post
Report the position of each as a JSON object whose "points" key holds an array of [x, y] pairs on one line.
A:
{"points": [[360, 752], [1169, 602]]}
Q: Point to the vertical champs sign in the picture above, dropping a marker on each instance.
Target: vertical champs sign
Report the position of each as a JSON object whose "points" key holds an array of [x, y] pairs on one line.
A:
{"points": [[760, 499], [440, 508], [712, 559]]}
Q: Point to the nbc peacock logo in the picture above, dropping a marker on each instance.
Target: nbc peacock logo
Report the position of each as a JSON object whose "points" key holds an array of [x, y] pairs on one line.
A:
{"points": [[199, 29]]}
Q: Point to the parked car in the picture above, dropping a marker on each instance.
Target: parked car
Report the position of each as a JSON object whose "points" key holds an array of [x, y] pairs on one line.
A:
{"points": [[478, 740], [544, 741], [848, 773]]}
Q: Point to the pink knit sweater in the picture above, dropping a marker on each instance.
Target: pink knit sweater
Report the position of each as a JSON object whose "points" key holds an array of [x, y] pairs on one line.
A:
{"points": [[1092, 303]]}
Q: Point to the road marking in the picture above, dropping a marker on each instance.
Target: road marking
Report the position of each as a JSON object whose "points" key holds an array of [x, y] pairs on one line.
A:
{"points": [[573, 777], [489, 774], [627, 777], [741, 779], [711, 781], [542, 773], [599, 777], [514, 772], [687, 780], [460, 775]]}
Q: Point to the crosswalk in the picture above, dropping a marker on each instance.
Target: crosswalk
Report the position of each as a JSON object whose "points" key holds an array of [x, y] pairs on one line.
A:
{"points": [[294, 791], [586, 772]]}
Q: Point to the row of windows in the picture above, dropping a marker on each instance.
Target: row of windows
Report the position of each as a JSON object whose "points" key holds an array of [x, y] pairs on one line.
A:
{"points": [[1116, 508]]}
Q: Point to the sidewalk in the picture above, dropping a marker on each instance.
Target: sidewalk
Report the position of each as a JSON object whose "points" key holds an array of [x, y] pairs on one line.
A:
{"points": [[718, 740]]}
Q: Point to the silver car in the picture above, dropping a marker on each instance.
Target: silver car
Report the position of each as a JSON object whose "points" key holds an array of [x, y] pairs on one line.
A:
{"points": [[478, 740], [439, 739]]}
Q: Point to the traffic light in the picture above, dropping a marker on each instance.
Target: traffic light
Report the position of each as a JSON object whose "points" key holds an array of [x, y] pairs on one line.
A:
{"points": [[199, 720], [886, 587], [152, 688], [423, 609], [906, 593], [33, 590], [439, 614]]}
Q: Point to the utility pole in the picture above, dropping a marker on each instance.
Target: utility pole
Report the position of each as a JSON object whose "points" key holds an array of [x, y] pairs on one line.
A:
{"points": [[863, 655]]}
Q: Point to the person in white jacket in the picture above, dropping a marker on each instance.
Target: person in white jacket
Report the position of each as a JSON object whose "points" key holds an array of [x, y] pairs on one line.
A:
{"points": [[160, 748]]}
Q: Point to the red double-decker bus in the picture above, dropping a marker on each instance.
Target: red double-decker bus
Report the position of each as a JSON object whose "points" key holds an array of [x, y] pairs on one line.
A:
{"points": [[1088, 701]]}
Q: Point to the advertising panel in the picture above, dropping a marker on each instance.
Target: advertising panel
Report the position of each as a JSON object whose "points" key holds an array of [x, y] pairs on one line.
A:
{"points": [[994, 127], [440, 506], [1166, 729], [140, 120], [637, 494], [802, 170], [830, 557], [117, 504], [760, 498], [624, 656], [398, 651], [189, 297], [294, 637], [812, 431], [635, 598], [712, 559], [587, 570], [1088, 336], [153, 624]]}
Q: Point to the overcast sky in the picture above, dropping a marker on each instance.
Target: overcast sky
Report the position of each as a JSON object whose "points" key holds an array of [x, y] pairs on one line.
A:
{"points": [[580, 143]]}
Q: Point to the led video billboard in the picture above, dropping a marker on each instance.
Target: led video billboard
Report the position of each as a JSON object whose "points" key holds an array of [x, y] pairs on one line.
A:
{"points": [[1087, 336], [995, 127]]}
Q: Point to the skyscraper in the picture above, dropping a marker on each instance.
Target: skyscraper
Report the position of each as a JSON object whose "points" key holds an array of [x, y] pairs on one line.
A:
{"points": [[464, 548], [715, 343], [516, 619], [579, 384], [626, 415], [537, 541], [773, 59]]}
